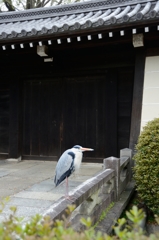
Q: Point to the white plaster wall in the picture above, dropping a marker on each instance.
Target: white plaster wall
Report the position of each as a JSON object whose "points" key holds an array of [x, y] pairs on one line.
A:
{"points": [[150, 102]]}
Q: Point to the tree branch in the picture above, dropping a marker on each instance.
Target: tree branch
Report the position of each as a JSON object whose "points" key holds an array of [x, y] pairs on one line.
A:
{"points": [[28, 4], [46, 3], [59, 2], [38, 3], [9, 5]]}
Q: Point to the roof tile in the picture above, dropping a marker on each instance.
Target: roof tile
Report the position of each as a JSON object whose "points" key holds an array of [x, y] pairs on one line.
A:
{"points": [[68, 18]]}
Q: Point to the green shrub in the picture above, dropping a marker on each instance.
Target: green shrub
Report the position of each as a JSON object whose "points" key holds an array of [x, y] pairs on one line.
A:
{"points": [[146, 170], [40, 228]]}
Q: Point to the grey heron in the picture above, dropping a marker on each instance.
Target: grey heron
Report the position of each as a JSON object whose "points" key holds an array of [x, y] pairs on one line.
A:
{"points": [[69, 162]]}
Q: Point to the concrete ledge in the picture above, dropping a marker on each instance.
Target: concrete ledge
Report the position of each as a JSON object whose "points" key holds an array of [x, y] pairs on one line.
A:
{"points": [[107, 224], [80, 194]]}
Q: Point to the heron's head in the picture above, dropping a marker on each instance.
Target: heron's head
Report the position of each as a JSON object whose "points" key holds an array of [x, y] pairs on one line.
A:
{"points": [[83, 148]]}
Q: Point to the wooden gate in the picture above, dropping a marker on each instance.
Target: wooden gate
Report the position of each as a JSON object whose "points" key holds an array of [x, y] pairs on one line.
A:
{"points": [[63, 112]]}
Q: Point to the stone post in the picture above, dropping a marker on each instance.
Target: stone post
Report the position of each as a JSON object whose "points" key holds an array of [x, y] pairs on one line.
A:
{"points": [[114, 163], [126, 152]]}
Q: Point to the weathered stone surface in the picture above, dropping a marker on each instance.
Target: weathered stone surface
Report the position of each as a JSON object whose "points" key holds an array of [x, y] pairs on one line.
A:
{"points": [[106, 225], [30, 185], [81, 193]]}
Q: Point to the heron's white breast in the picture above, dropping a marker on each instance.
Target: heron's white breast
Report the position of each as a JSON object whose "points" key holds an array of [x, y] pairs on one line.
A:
{"points": [[78, 160]]}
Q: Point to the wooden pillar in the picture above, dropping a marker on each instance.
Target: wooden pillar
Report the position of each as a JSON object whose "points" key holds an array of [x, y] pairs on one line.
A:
{"points": [[15, 116], [137, 97]]}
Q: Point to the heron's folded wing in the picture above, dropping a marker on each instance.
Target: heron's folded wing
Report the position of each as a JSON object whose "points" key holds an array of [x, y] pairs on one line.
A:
{"points": [[64, 165]]}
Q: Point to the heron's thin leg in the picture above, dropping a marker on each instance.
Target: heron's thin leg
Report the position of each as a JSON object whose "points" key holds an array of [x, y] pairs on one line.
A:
{"points": [[67, 195], [67, 187]]}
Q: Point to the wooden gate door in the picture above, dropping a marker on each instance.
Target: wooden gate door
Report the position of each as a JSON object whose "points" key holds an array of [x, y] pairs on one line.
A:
{"points": [[90, 115], [78, 110], [42, 131]]}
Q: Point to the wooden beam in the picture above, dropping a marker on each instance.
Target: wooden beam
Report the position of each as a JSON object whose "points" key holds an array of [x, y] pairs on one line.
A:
{"points": [[78, 38], [137, 97], [22, 45], [122, 33], [4, 47], [110, 34], [89, 37], [69, 40], [31, 44], [100, 36]]}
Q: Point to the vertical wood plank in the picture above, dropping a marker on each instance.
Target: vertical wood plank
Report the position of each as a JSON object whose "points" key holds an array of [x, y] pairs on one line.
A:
{"points": [[69, 114], [101, 117], [35, 119], [4, 118], [91, 113], [137, 97], [54, 117], [15, 121], [111, 114], [44, 119], [26, 118], [80, 111]]}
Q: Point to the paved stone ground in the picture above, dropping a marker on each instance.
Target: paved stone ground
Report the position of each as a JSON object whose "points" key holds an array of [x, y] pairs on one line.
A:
{"points": [[30, 185]]}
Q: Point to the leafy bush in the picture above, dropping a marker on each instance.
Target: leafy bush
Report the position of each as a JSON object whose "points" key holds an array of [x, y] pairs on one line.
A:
{"points": [[40, 228], [146, 170]]}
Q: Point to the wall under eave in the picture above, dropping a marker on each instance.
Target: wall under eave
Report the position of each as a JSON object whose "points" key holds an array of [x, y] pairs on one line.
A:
{"points": [[150, 102]]}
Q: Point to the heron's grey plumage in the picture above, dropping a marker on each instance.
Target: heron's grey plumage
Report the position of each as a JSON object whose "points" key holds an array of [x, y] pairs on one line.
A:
{"points": [[64, 165], [69, 161]]}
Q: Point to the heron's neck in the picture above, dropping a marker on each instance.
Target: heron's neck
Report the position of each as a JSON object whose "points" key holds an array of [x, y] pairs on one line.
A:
{"points": [[78, 160]]}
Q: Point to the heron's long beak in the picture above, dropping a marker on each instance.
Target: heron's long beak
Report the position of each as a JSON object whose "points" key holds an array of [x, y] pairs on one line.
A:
{"points": [[86, 149]]}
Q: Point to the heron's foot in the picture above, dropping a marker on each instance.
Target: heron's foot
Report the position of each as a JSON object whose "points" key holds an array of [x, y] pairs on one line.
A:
{"points": [[70, 198]]}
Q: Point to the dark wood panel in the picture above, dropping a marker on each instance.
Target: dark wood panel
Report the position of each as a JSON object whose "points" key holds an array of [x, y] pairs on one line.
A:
{"points": [[54, 115], [67, 62], [84, 97], [81, 111], [69, 114], [111, 100], [87, 107], [101, 117], [44, 121], [35, 119], [27, 119], [91, 120], [4, 118], [86, 100], [93, 111], [15, 118], [125, 91], [42, 118]]}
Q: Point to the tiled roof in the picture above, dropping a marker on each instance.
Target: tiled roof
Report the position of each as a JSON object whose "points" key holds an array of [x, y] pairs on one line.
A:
{"points": [[76, 17]]}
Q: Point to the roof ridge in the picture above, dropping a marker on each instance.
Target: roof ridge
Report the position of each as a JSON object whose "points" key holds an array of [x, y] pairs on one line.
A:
{"points": [[65, 9]]}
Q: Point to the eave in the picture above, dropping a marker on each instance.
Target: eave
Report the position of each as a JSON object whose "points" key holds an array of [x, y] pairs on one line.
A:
{"points": [[73, 22]]}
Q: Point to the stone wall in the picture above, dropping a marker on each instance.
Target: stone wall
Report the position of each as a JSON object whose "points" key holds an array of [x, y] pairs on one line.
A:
{"points": [[150, 103], [93, 196]]}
